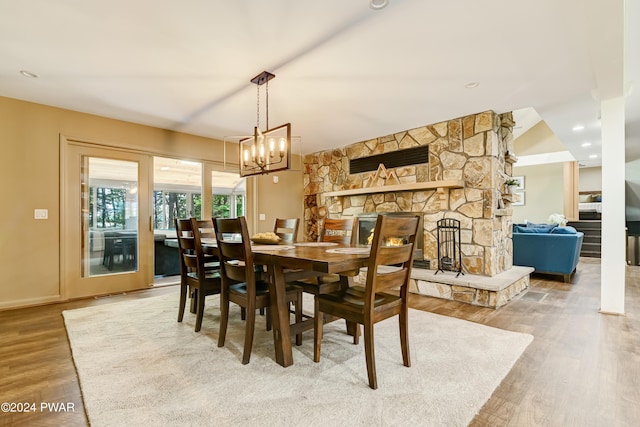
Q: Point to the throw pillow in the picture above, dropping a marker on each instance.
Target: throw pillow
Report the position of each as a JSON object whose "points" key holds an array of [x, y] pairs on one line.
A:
{"points": [[564, 230], [585, 198], [542, 228]]}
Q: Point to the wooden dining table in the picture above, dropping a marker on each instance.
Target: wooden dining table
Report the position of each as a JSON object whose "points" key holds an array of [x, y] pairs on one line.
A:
{"points": [[291, 261]]}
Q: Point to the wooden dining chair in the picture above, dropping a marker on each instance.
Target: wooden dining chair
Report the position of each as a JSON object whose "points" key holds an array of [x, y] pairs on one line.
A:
{"points": [[197, 275], [242, 284], [286, 229], [342, 230], [389, 268]]}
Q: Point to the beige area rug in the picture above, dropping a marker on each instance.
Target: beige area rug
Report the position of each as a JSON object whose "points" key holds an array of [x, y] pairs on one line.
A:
{"points": [[138, 366]]}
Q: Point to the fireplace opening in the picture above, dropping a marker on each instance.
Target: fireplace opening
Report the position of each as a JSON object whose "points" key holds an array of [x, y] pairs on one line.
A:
{"points": [[367, 223], [449, 255]]}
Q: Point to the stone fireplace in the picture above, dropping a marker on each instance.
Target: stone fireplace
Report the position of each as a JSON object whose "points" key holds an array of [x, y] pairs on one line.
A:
{"points": [[468, 162]]}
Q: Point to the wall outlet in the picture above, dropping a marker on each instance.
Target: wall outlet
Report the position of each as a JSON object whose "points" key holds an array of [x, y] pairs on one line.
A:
{"points": [[263, 217]]}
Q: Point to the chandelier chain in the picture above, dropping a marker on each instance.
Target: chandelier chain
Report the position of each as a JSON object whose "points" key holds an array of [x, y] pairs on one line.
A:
{"points": [[258, 108], [267, 93]]}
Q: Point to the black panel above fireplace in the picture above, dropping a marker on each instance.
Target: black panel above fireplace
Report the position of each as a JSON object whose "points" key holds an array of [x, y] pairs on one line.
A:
{"points": [[393, 159]]}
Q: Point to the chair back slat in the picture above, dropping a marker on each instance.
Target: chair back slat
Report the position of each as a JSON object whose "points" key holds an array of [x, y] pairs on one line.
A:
{"points": [[236, 258], [391, 254], [343, 230], [286, 229]]}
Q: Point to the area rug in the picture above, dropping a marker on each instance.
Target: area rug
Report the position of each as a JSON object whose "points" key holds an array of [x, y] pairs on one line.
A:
{"points": [[138, 366]]}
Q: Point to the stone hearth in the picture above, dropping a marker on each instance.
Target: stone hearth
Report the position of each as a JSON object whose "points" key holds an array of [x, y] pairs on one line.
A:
{"points": [[485, 291], [492, 292]]}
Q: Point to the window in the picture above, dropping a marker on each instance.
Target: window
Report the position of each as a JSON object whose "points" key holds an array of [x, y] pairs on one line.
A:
{"points": [[228, 195], [177, 191]]}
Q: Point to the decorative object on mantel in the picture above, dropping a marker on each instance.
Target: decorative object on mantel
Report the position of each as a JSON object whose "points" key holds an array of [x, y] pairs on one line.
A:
{"points": [[449, 253], [510, 185], [510, 157], [380, 178], [267, 151]]}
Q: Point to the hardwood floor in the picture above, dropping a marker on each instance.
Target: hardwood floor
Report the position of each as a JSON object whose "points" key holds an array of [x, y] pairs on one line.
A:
{"points": [[582, 369]]}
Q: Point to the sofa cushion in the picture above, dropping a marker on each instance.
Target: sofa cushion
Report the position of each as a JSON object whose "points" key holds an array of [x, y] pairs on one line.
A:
{"points": [[542, 228], [532, 230], [564, 230]]}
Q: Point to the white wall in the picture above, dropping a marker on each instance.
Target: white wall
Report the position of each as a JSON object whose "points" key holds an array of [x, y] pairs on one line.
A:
{"points": [[590, 179], [544, 192]]}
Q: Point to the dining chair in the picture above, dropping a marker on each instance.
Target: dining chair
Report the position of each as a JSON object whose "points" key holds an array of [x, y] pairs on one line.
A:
{"points": [[195, 275], [388, 269], [112, 248], [242, 283], [286, 229], [342, 230]]}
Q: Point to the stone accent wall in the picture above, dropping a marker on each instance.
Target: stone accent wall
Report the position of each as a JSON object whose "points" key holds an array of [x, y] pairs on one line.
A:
{"points": [[471, 149]]}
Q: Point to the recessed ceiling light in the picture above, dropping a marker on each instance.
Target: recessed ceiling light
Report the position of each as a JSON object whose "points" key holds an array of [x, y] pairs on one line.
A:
{"points": [[577, 128], [586, 144], [593, 156], [378, 4], [164, 168], [472, 85], [29, 74]]}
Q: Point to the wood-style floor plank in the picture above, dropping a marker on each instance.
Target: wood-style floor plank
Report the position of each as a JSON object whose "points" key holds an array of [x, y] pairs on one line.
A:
{"points": [[582, 369]]}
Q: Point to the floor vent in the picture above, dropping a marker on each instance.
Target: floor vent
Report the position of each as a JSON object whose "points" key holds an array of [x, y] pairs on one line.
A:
{"points": [[535, 296]]}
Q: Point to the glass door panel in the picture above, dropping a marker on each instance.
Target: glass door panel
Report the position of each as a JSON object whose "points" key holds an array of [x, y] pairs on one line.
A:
{"points": [[110, 206], [177, 193], [105, 226]]}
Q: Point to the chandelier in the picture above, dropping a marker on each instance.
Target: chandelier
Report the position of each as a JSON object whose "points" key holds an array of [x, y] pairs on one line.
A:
{"points": [[269, 150]]}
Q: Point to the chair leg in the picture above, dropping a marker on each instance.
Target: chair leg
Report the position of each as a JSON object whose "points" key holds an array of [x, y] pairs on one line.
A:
{"points": [[183, 301], [356, 333], [248, 335], [200, 309], [298, 316], [370, 356], [317, 331], [404, 338], [224, 318], [269, 320]]}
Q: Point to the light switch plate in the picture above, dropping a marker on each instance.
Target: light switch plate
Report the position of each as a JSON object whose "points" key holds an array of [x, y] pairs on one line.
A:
{"points": [[263, 217], [41, 213]]}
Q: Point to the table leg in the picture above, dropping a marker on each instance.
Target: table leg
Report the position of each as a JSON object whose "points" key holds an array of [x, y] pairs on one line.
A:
{"points": [[280, 316]]}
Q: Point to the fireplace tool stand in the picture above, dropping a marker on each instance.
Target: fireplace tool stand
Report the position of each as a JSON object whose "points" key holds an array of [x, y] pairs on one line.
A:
{"points": [[449, 255]]}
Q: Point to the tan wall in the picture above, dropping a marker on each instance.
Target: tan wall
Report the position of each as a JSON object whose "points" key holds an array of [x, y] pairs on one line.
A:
{"points": [[539, 139], [30, 178], [278, 200], [544, 192]]}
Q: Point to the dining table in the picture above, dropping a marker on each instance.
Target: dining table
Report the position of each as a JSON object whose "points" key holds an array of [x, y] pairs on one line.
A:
{"points": [[293, 261]]}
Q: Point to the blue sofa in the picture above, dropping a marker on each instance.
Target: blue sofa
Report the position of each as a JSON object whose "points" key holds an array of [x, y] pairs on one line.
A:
{"points": [[547, 248]]}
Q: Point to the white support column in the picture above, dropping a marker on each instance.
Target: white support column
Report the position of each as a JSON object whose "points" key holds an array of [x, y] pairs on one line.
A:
{"points": [[613, 262]]}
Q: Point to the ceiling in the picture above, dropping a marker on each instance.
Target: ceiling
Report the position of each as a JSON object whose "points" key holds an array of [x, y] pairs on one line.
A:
{"points": [[344, 71]]}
